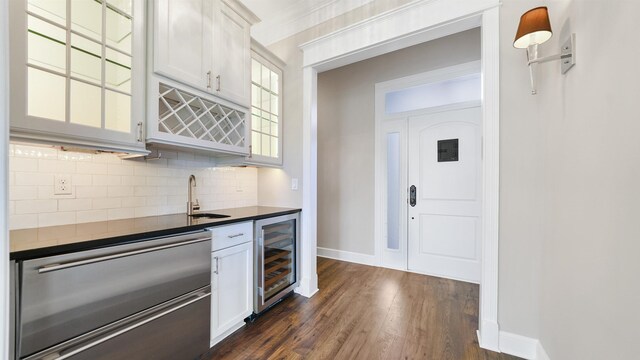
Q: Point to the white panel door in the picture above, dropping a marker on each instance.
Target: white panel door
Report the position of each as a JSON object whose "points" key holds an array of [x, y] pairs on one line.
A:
{"points": [[231, 289], [444, 161], [232, 58], [182, 41]]}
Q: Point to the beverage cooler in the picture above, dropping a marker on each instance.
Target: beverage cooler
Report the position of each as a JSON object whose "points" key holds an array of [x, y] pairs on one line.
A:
{"points": [[277, 269]]}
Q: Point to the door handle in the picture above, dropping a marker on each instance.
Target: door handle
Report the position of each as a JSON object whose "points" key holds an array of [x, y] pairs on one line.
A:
{"points": [[55, 267], [412, 195]]}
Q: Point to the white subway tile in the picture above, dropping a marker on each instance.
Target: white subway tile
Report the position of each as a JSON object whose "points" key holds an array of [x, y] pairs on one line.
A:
{"points": [[74, 204], [23, 192], [123, 213], [145, 190], [23, 179], [134, 201], [23, 164], [144, 171], [90, 191], [38, 152], [74, 156], [119, 191], [56, 166], [23, 221], [46, 192], [114, 169], [156, 201], [156, 181], [107, 203], [55, 219], [91, 168], [133, 180], [146, 211], [12, 207], [36, 206], [109, 180], [81, 179], [91, 216]]}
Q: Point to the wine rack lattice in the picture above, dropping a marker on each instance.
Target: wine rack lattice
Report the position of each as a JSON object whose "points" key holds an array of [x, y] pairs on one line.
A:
{"points": [[185, 114]]}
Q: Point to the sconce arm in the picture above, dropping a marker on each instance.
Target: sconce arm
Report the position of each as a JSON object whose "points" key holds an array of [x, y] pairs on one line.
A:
{"points": [[550, 58]]}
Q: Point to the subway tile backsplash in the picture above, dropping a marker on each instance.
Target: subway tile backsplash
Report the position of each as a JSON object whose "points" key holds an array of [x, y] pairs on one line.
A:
{"points": [[104, 187]]}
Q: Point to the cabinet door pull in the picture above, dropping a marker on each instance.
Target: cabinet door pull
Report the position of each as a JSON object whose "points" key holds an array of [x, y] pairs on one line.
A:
{"points": [[218, 83], [235, 236], [217, 261], [208, 80], [140, 133]]}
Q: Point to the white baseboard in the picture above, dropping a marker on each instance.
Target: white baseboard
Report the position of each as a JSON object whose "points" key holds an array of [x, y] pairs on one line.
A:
{"points": [[522, 346], [541, 354], [349, 256]]}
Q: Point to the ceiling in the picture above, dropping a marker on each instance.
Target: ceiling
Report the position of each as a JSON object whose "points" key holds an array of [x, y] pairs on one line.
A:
{"points": [[283, 18]]}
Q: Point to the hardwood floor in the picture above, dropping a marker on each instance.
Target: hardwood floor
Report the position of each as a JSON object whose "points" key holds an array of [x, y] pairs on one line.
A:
{"points": [[364, 312]]}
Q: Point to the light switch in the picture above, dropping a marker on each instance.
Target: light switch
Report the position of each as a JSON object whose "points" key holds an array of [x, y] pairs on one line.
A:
{"points": [[294, 184]]}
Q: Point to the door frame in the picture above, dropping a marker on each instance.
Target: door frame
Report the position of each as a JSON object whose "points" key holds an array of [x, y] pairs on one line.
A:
{"points": [[382, 125], [408, 25]]}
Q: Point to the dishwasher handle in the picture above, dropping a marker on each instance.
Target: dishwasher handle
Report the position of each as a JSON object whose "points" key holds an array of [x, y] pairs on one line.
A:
{"points": [[55, 267], [197, 297]]}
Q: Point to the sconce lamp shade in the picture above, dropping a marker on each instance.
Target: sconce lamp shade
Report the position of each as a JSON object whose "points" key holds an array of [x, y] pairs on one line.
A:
{"points": [[534, 28]]}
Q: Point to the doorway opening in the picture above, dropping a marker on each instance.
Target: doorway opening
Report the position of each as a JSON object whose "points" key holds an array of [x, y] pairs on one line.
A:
{"points": [[428, 173]]}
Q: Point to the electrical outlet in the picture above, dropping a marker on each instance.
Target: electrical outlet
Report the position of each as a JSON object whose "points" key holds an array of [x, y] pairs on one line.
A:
{"points": [[62, 185], [294, 184]]}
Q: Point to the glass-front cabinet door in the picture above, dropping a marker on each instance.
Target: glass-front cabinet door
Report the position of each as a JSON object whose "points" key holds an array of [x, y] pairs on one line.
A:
{"points": [[76, 72]]}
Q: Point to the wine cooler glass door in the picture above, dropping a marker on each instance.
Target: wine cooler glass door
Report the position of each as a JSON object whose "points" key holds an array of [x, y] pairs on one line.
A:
{"points": [[279, 258]]}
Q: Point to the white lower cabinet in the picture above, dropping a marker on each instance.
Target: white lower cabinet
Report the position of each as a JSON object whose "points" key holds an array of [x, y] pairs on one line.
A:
{"points": [[231, 280]]}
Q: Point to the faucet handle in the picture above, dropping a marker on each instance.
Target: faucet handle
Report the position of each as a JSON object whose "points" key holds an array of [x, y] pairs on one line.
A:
{"points": [[196, 206]]}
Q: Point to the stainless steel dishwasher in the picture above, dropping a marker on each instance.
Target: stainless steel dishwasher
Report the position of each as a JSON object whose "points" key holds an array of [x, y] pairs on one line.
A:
{"points": [[145, 300]]}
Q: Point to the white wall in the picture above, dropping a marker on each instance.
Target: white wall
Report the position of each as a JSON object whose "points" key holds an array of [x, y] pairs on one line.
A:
{"points": [[104, 187], [570, 161], [346, 125]]}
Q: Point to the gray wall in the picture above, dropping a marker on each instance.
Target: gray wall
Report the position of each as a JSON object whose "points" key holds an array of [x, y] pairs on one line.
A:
{"points": [[570, 167], [346, 125]]}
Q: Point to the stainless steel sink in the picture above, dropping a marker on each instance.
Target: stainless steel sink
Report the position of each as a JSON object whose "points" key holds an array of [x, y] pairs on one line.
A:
{"points": [[210, 216]]}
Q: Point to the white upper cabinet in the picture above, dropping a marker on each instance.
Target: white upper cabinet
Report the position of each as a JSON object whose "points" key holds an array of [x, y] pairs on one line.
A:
{"points": [[77, 73], [205, 44], [232, 55], [183, 38]]}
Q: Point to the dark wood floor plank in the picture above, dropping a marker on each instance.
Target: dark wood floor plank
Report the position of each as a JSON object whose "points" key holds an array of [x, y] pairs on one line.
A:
{"points": [[364, 312]]}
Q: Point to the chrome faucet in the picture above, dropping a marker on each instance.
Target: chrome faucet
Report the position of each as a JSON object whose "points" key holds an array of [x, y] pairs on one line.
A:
{"points": [[191, 207]]}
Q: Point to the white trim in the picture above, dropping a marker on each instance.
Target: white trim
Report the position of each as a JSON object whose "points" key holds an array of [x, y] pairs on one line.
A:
{"points": [[541, 354], [488, 318], [409, 25], [522, 346], [288, 23], [309, 282], [4, 165], [358, 258]]}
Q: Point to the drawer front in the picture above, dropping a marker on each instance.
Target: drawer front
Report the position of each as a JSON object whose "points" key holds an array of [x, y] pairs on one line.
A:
{"points": [[231, 235], [67, 295]]}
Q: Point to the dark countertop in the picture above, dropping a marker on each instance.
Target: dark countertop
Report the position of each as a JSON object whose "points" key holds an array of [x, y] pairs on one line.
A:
{"points": [[56, 240]]}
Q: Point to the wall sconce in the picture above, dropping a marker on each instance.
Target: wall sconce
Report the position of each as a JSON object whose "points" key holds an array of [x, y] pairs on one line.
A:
{"points": [[535, 29]]}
